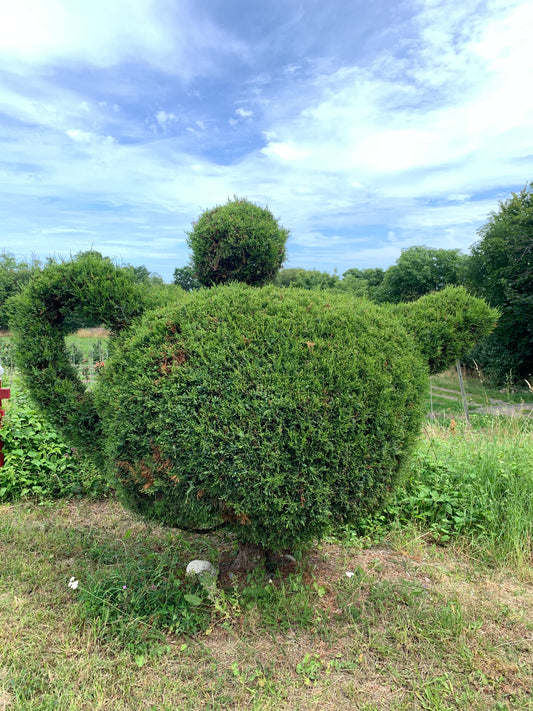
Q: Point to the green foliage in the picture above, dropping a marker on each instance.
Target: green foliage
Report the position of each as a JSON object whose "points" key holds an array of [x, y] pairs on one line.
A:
{"points": [[86, 291], [186, 278], [277, 412], [419, 271], [374, 276], [141, 275], [306, 279], [13, 276], [7, 353], [38, 462], [255, 411], [357, 282], [238, 241], [474, 485], [501, 270], [446, 324], [354, 281]]}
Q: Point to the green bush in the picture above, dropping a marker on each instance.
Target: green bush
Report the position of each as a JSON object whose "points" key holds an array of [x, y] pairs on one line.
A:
{"points": [[446, 324], [238, 241], [38, 462], [277, 412], [86, 291]]}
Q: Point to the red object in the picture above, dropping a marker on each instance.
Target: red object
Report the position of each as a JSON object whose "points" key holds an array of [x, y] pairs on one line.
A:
{"points": [[5, 394]]}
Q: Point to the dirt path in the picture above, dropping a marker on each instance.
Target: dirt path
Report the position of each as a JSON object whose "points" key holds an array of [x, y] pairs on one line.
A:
{"points": [[497, 407]]}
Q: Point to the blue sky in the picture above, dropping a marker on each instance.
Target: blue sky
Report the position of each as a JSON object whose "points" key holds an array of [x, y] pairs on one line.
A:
{"points": [[366, 127]]}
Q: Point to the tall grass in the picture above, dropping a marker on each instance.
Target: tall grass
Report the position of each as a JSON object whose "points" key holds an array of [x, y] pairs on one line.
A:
{"points": [[474, 487]]}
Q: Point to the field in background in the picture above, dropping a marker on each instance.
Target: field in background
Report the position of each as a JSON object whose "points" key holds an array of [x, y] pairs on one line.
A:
{"points": [[85, 348], [445, 400]]}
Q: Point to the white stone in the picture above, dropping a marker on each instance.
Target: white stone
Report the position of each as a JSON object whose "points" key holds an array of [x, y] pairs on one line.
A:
{"points": [[200, 567]]}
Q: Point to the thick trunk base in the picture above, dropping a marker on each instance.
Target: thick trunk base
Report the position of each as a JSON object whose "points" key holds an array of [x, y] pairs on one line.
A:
{"points": [[248, 557]]}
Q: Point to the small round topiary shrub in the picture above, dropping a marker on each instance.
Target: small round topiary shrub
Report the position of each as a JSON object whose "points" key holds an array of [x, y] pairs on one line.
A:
{"points": [[238, 241]]}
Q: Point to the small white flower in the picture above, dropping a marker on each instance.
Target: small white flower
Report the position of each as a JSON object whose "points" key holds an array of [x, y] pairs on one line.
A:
{"points": [[349, 574], [73, 583]]}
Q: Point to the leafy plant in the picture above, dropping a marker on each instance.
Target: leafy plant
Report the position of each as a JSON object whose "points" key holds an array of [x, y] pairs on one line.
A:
{"points": [[420, 270], [87, 291], [38, 462], [446, 324], [501, 270], [474, 486]]}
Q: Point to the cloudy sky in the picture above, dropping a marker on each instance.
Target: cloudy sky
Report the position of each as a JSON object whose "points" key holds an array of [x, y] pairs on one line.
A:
{"points": [[366, 127]]}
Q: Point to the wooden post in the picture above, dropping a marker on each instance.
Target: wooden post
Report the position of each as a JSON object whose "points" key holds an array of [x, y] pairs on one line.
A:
{"points": [[5, 394], [463, 393]]}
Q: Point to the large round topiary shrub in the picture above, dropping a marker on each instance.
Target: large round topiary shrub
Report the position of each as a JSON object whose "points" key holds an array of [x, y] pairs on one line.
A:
{"points": [[238, 241], [274, 411], [278, 413]]}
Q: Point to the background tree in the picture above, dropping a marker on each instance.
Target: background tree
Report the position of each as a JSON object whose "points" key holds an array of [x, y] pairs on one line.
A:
{"points": [[238, 241], [373, 276], [500, 269], [13, 276], [186, 278], [141, 275], [419, 271], [306, 279], [354, 281]]}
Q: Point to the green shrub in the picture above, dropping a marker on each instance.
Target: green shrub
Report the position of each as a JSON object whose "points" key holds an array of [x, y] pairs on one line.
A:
{"points": [[238, 241], [277, 412], [38, 462], [446, 324], [86, 291]]}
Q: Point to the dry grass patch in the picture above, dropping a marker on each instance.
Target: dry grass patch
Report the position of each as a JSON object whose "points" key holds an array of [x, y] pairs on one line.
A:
{"points": [[98, 332]]}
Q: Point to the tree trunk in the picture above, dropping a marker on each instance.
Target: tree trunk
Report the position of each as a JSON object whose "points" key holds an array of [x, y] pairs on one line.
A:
{"points": [[248, 557]]}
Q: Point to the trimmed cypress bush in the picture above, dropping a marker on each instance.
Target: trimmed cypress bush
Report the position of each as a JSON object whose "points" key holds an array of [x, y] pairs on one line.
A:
{"points": [[443, 322], [278, 413], [238, 241], [267, 409], [88, 290]]}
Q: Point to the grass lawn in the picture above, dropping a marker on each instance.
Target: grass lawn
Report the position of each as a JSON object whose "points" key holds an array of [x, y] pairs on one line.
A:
{"points": [[397, 622]]}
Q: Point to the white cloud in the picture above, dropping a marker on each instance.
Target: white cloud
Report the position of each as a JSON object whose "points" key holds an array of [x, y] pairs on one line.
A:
{"points": [[163, 118], [244, 113], [88, 137], [385, 154], [177, 38], [285, 151]]}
